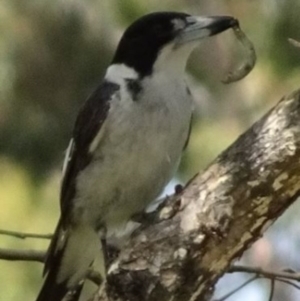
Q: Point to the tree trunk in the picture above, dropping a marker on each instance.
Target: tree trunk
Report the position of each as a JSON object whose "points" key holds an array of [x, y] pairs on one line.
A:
{"points": [[197, 233]]}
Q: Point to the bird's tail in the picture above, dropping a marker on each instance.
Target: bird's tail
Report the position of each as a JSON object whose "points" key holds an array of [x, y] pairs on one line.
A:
{"points": [[53, 291], [70, 254]]}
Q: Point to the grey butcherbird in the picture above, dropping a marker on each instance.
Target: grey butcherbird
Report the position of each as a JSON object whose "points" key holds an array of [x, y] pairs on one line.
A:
{"points": [[127, 141]]}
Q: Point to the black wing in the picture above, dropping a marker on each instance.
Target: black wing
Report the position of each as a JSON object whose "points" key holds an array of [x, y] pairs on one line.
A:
{"points": [[87, 125]]}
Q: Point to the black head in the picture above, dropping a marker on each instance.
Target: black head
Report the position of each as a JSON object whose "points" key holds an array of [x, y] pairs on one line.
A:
{"points": [[141, 43]]}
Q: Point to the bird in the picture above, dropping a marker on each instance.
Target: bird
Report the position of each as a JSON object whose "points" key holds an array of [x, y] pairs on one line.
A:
{"points": [[127, 141]]}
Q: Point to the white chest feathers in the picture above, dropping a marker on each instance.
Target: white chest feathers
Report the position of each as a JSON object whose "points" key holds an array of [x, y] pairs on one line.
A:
{"points": [[138, 150]]}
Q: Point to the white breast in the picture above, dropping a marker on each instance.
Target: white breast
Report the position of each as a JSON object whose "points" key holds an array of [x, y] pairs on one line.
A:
{"points": [[138, 153]]}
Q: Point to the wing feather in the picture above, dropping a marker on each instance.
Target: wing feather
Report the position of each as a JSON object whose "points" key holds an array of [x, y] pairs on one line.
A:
{"points": [[88, 126]]}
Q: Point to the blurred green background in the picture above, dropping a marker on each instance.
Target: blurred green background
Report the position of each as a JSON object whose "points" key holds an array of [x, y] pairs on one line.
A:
{"points": [[54, 52]]}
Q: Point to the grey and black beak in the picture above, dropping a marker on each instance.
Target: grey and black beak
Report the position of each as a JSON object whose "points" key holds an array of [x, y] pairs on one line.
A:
{"points": [[201, 27]]}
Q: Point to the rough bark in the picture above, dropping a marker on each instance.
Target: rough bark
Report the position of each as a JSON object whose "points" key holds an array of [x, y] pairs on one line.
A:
{"points": [[219, 214]]}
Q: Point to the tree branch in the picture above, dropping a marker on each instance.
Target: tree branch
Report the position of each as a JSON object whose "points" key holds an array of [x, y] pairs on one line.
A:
{"points": [[25, 235], [27, 255], [39, 256], [291, 275], [220, 213]]}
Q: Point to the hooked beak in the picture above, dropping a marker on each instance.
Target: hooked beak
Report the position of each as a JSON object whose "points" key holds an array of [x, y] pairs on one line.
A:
{"points": [[201, 27]]}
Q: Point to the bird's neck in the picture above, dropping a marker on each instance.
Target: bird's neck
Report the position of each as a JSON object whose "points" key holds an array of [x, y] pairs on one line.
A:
{"points": [[172, 61], [117, 73], [120, 73]]}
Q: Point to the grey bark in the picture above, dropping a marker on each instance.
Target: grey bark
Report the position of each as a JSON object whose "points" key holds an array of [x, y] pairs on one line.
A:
{"points": [[197, 234]]}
